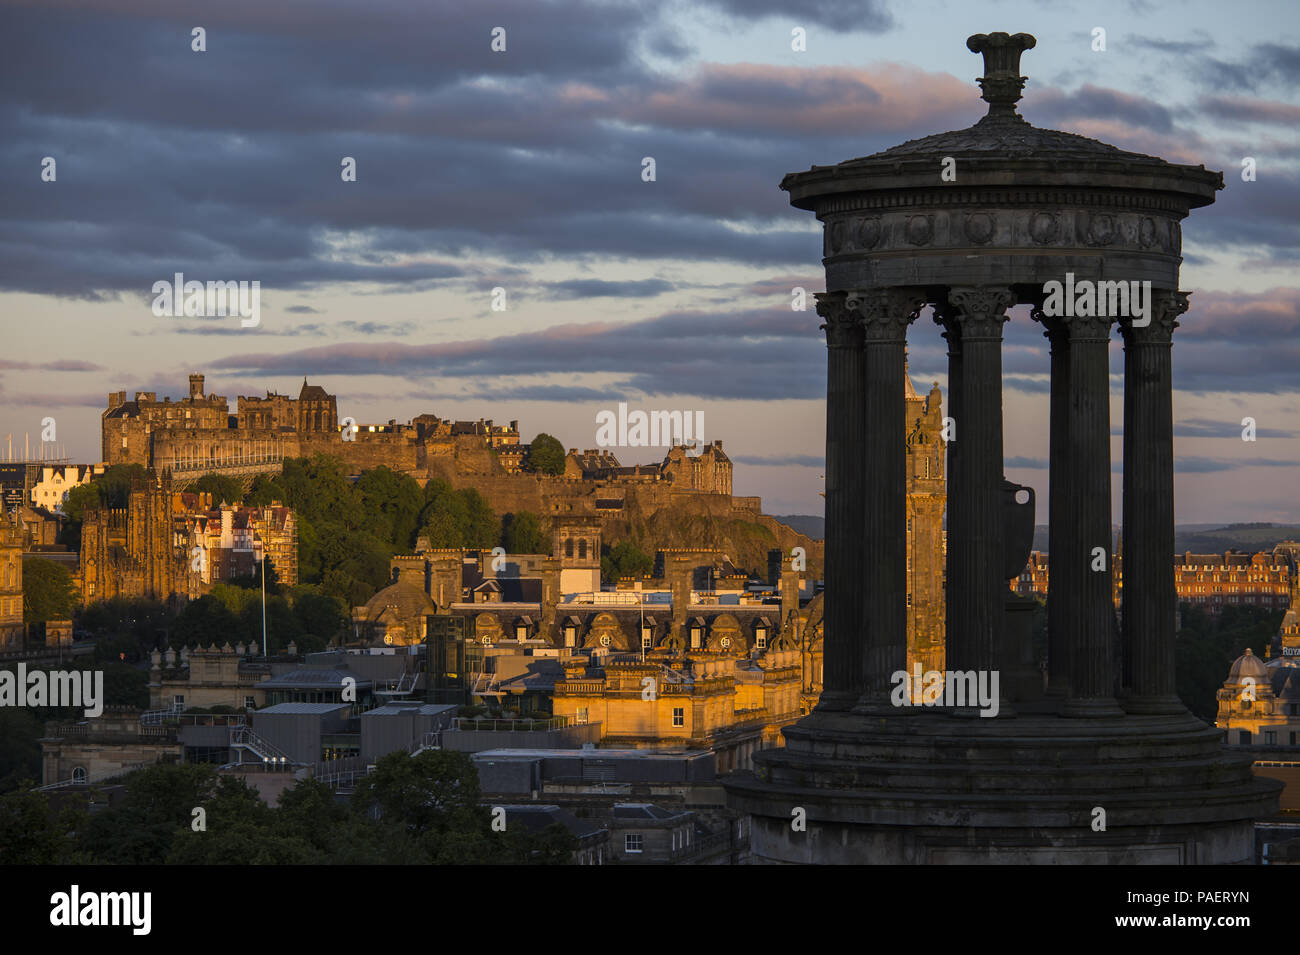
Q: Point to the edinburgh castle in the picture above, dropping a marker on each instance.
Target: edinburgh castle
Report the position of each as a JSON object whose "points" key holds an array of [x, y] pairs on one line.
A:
{"points": [[197, 435]]}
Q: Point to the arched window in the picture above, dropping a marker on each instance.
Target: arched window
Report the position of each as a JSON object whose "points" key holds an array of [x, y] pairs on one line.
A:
{"points": [[79, 775], [568, 547]]}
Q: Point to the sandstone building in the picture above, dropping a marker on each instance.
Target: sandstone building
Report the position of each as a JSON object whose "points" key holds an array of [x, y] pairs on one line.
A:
{"points": [[172, 546], [11, 583]]}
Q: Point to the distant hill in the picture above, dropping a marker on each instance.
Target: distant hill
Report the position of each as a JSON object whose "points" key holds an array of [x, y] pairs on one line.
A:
{"points": [[811, 525], [1212, 538]]}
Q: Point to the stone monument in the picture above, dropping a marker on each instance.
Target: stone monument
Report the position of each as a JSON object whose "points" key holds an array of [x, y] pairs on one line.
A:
{"points": [[1105, 765]]}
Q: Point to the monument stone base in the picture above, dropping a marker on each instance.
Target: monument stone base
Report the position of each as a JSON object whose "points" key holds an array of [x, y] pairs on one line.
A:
{"points": [[926, 787]]}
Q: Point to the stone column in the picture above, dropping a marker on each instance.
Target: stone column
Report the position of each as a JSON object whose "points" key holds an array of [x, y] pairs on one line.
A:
{"points": [[975, 545], [955, 602], [842, 613], [886, 313], [1087, 539], [1150, 597], [1059, 503]]}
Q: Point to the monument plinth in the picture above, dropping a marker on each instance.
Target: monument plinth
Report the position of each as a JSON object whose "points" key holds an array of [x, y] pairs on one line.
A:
{"points": [[974, 222]]}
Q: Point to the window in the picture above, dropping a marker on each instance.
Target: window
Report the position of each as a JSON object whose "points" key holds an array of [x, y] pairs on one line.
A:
{"points": [[645, 639], [581, 716], [568, 547], [696, 636], [250, 703], [760, 638], [178, 700], [570, 636], [521, 632], [79, 775], [1244, 737], [1270, 737], [632, 842], [679, 716], [582, 550]]}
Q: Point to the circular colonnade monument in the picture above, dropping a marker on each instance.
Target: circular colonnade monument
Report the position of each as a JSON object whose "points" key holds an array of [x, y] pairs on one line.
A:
{"points": [[974, 222]]}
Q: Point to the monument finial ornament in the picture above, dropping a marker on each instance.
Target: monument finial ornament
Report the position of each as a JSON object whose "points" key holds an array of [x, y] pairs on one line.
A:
{"points": [[1001, 83]]}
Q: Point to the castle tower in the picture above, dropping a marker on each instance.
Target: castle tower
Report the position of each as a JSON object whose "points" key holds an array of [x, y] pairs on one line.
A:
{"points": [[576, 544], [196, 386], [926, 498]]}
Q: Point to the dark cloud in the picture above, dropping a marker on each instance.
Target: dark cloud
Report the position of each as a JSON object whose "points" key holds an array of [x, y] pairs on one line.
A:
{"points": [[62, 364], [303, 310], [1205, 428], [1176, 47], [1190, 464], [598, 288], [1056, 107], [842, 16], [1033, 464]]}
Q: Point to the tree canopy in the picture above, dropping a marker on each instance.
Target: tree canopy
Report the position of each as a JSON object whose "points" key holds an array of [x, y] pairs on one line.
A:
{"points": [[48, 593], [545, 455]]}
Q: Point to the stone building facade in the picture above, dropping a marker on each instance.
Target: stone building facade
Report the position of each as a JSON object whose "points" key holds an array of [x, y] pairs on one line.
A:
{"points": [[1209, 581], [172, 546], [11, 583]]}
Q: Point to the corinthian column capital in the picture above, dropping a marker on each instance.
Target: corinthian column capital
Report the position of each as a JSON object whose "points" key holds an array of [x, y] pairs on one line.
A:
{"points": [[886, 312], [1165, 306], [980, 310], [843, 325]]}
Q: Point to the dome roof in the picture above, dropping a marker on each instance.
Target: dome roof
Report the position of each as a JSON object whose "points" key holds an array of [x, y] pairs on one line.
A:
{"points": [[1005, 137], [405, 597], [1003, 152], [1247, 665]]}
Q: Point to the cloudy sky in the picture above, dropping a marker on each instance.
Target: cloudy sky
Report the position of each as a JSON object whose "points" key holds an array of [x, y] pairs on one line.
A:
{"points": [[522, 169]]}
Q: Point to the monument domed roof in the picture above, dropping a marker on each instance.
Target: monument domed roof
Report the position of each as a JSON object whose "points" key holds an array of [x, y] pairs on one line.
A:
{"points": [[1005, 137], [1247, 665], [1003, 151]]}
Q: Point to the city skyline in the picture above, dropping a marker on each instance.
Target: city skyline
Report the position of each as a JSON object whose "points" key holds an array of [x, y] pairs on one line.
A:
{"points": [[522, 170]]}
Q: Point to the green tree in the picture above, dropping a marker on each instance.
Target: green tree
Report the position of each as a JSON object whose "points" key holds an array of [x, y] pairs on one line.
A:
{"points": [[545, 455], [392, 503], [114, 485], [429, 793], [20, 753], [522, 533], [205, 621], [320, 615], [82, 498], [625, 559], [224, 489], [156, 808], [482, 529], [27, 834], [48, 593]]}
